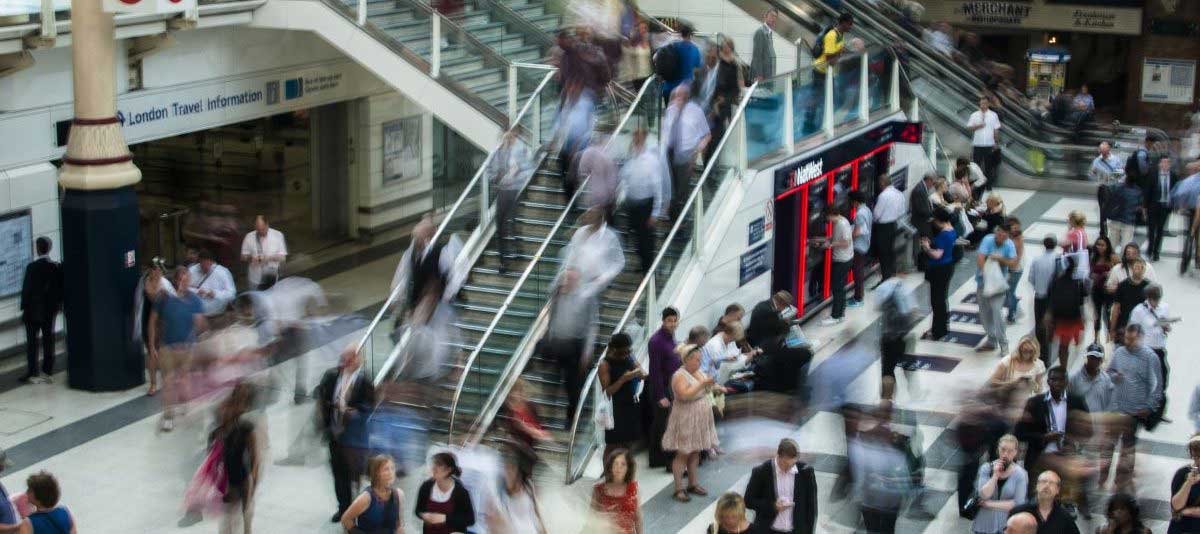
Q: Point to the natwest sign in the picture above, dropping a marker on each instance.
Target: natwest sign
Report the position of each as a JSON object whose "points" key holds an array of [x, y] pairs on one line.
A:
{"points": [[148, 7]]}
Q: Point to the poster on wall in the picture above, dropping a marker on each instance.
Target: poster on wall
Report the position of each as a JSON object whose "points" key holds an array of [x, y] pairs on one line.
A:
{"points": [[1168, 81], [402, 149], [16, 250]]}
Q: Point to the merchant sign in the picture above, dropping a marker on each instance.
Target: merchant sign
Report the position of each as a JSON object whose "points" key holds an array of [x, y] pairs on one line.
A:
{"points": [[1036, 15]]}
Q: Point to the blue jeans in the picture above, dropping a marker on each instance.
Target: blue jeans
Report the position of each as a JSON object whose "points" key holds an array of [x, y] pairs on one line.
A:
{"points": [[1010, 298]]}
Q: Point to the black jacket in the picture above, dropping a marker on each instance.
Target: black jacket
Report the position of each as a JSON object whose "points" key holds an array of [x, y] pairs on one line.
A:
{"points": [[463, 514], [760, 497], [359, 403], [920, 209], [1035, 423], [1154, 190], [765, 324], [42, 290]]}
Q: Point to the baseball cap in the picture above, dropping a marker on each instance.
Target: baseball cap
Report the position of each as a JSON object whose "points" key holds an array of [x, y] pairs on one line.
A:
{"points": [[1095, 351]]}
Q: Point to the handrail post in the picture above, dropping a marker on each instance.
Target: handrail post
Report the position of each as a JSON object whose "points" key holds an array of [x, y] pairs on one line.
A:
{"points": [[894, 90], [49, 29], [362, 12], [435, 46], [789, 130], [914, 114], [698, 222], [512, 93], [827, 115], [933, 143], [536, 131], [864, 89], [651, 301], [484, 215]]}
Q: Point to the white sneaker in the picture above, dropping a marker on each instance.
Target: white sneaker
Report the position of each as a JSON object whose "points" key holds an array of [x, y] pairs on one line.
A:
{"points": [[167, 425], [830, 321]]}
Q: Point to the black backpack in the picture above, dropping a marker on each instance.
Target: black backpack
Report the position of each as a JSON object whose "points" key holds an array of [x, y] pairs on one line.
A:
{"points": [[1066, 297], [666, 62], [818, 48]]}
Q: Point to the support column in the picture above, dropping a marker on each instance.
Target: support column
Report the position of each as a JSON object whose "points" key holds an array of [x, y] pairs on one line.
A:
{"points": [[99, 217]]}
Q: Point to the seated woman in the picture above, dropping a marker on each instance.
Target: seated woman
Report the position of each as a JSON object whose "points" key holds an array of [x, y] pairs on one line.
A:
{"points": [[992, 217]]}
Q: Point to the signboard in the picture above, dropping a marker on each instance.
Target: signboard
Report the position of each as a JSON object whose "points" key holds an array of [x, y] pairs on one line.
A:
{"points": [[1168, 81], [402, 149], [148, 7], [754, 263], [16, 250], [1036, 15], [756, 230], [792, 175]]}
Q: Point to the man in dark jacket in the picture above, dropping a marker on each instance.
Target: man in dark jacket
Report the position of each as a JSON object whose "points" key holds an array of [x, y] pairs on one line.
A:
{"points": [[765, 322], [920, 215], [41, 300], [1158, 205], [1053, 423], [783, 493], [345, 398]]}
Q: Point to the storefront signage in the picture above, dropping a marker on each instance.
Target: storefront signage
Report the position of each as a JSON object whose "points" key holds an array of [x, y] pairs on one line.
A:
{"points": [[1036, 15], [756, 230], [792, 175], [754, 263], [1168, 81], [148, 7]]}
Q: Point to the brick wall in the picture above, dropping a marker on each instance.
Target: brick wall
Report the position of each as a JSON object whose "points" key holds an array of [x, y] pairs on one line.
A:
{"points": [[1170, 117]]}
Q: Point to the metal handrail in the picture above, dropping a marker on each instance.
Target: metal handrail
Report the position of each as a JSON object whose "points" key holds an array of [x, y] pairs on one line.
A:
{"points": [[512, 295], [441, 229], [508, 15], [589, 382]]}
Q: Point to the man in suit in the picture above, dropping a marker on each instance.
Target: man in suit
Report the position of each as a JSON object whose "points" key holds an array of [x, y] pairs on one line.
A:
{"points": [[1158, 205], [1052, 424], [783, 493], [345, 398], [765, 322], [762, 63], [41, 300], [920, 215]]}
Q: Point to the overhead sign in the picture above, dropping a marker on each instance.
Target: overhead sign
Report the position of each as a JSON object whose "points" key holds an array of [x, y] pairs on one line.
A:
{"points": [[1037, 15], [1168, 81], [148, 7], [794, 174]]}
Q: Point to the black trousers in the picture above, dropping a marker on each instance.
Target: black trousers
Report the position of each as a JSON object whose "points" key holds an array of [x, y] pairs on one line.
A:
{"points": [[681, 184], [639, 213], [339, 463], [46, 328], [879, 521], [884, 235], [988, 159], [1102, 199], [658, 426], [939, 297], [1040, 306], [1156, 224], [837, 279], [566, 353], [891, 351], [506, 203]]}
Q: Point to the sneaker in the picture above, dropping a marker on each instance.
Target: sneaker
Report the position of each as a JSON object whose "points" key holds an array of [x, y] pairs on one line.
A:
{"points": [[830, 321], [27, 379], [854, 303], [986, 347], [167, 425]]}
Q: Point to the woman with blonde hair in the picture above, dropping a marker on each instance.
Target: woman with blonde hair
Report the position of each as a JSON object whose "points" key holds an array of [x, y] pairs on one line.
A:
{"points": [[1021, 369], [730, 516], [690, 427]]}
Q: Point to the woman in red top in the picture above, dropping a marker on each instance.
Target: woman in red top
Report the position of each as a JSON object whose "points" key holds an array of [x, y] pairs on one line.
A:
{"points": [[616, 497]]}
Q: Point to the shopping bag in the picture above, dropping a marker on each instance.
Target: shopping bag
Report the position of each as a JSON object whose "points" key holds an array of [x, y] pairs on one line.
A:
{"points": [[604, 413], [994, 281]]}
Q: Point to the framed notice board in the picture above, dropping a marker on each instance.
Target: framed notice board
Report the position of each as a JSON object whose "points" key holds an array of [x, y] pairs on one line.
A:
{"points": [[16, 250]]}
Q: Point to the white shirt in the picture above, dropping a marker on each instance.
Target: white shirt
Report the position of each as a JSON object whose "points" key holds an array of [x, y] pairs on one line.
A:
{"points": [[597, 256], [1164, 187], [785, 487], [890, 206], [1058, 418], [692, 129], [1042, 271], [985, 136], [219, 281], [272, 245], [714, 353], [977, 176], [343, 388], [1153, 334], [645, 176], [842, 231]]}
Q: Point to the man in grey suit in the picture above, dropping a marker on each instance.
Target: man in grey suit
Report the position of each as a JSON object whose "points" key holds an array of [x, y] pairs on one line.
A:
{"points": [[762, 64]]}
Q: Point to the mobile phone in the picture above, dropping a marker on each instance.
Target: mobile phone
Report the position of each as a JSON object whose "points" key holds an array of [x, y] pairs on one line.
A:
{"points": [[1004, 464]]}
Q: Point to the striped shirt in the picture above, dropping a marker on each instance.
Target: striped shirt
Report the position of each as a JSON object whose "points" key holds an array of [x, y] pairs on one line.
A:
{"points": [[1140, 385]]}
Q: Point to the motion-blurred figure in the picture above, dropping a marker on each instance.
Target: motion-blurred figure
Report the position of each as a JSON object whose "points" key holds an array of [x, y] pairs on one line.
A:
{"points": [[182, 320], [508, 172], [596, 166], [345, 397], [152, 286], [881, 475], [428, 275], [685, 134], [644, 179], [515, 509]]}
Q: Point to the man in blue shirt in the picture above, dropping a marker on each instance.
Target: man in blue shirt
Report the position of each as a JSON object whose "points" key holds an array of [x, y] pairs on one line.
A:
{"points": [[182, 318], [688, 56], [999, 248]]}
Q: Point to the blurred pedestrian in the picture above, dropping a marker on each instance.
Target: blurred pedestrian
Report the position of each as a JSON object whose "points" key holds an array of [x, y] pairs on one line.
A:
{"points": [[344, 401], [1104, 172], [427, 269], [1154, 316], [520, 418], [1125, 204], [620, 377], [1185, 493], [730, 516], [1129, 293], [152, 286], [647, 187], [881, 474], [576, 120], [1136, 373], [1043, 270], [1000, 485], [1095, 387], [443, 503], [1124, 516], [685, 134], [863, 220], [41, 300], [1158, 205], [783, 493], [596, 166], [616, 495], [571, 315], [896, 308], [213, 283], [762, 63], [182, 320], [241, 454], [1011, 301], [678, 62], [516, 510], [508, 173], [664, 362], [1068, 295], [1055, 424], [690, 428], [10, 519], [264, 250], [379, 509], [635, 57], [48, 517], [726, 94]]}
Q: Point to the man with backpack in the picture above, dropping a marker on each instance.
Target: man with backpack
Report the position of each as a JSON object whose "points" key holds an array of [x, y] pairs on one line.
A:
{"points": [[831, 42], [1067, 295], [676, 62]]}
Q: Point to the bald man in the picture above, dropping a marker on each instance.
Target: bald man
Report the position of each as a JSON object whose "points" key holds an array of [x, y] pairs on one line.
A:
{"points": [[1054, 517], [1021, 523]]}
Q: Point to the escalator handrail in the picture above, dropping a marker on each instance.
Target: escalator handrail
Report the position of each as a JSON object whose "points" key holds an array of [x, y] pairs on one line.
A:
{"points": [[441, 229], [519, 285], [590, 381]]}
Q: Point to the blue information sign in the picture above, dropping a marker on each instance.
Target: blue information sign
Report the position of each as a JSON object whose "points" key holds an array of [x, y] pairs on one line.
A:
{"points": [[757, 229], [754, 263]]}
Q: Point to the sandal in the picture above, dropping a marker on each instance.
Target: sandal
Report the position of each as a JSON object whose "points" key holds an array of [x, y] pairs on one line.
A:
{"points": [[682, 496], [698, 490]]}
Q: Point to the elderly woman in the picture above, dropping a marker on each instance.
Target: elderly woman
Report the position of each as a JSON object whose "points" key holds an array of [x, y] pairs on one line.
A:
{"points": [[690, 427]]}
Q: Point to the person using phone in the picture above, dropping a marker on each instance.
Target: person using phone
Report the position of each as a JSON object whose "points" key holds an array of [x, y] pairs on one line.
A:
{"points": [[620, 375], [1000, 485], [1185, 493]]}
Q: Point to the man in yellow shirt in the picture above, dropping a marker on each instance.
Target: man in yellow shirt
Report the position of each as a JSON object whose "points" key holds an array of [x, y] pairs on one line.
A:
{"points": [[833, 43]]}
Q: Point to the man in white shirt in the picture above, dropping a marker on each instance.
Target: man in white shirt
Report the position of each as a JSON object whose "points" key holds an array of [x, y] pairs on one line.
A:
{"points": [[783, 493], [1153, 316], [889, 207], [264, 250], [1107, 171], [842, 254], [213, 283], [1042, 272], [985, 140], [647, 190], [685, 134], [863, 220]]}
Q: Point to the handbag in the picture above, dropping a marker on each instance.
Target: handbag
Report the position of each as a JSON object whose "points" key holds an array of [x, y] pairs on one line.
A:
{"points": [[604, 413], [994, 282], [970, 509]]}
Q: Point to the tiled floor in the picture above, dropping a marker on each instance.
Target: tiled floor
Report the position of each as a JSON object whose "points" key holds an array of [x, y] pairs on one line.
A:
{"points": [[120, 476]]}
